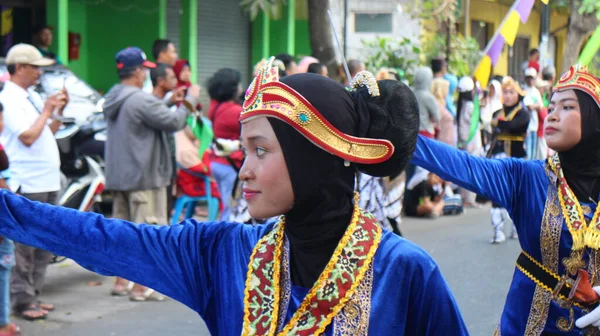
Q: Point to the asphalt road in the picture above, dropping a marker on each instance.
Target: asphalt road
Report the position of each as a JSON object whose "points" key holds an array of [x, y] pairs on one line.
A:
{"points": [[478, 274]]}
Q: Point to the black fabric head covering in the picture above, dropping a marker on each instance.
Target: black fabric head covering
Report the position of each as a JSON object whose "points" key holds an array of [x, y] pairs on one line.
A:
{"points": [[323, 187], [581, 164]]}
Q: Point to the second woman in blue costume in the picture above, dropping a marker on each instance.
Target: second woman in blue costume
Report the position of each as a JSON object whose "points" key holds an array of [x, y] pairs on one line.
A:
{"points": [[553, 204]]}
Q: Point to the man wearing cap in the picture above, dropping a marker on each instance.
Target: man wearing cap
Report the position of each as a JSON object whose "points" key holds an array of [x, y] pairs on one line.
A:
{"points": [[138, 158], [28, 138]]}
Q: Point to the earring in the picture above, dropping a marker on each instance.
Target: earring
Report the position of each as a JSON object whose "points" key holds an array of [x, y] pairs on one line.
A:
{"points": [[365, 78], [346, 163]]}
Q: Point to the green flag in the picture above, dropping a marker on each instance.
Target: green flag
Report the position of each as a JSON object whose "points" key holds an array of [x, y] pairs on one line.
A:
{"points": [[202, 129], [475, 118]]}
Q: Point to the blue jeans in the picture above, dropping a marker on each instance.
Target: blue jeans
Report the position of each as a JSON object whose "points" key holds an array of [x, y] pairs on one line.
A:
{"points": [[531, 145], [7, 261], [225, 176]]}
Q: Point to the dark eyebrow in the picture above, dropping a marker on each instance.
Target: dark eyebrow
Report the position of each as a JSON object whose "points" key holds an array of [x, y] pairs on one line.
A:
{"points": [[562, 100], [255, 138]]}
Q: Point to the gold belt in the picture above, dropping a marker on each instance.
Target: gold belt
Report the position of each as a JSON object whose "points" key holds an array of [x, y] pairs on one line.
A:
{"points": [[510, 137]]}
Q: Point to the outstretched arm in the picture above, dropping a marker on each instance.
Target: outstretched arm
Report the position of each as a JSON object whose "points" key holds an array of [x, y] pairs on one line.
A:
{"points": [[498, 180], [175, 261]]}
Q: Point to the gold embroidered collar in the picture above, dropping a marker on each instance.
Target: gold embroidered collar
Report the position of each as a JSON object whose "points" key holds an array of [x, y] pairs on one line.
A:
{"points": [[584, 234], [336, 285]]}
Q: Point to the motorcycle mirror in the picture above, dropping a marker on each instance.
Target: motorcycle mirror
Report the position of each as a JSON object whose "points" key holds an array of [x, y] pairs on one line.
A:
{"points": [[66, 121]]}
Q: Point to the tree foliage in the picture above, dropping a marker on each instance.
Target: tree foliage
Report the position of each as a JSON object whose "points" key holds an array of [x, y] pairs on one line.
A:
{"points": [[402, 55], [464, 53], [589, 7]]}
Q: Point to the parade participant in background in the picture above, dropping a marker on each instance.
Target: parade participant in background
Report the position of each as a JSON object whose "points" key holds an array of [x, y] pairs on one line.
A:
{"points": [[533, 100], [421, 199], [289, 62], [470, 142], [319, 69], [554, 206], [305, 62], [138, 157], [450, 104], [224, 112], [510, 129], [326, 267], [445, 128], [354, 67], [492, 104], [429, 114]]}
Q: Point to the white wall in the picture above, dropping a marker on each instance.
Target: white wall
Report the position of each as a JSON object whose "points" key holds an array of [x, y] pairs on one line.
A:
{"points": [[403, 24]]}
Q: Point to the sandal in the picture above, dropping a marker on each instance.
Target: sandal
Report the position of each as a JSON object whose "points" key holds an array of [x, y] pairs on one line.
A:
{"points": [[121, 290], [13, 330], [46, 306], [26, 314], [147, 296]]}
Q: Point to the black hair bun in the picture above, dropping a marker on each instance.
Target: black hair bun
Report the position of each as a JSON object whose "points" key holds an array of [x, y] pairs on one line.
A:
{"points": [[393, 116]]}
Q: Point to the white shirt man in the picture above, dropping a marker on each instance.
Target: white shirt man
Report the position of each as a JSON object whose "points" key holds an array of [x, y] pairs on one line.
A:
{"points": [[28, 139], [35, 168]]}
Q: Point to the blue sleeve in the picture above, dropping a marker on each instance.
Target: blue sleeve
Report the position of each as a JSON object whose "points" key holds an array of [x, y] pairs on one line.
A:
{"points": [[433, 310], [497, 179], [175, 261]]}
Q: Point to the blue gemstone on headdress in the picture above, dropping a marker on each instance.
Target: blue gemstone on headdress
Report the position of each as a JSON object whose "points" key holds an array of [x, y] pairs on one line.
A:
{"points": [[303, 117]]}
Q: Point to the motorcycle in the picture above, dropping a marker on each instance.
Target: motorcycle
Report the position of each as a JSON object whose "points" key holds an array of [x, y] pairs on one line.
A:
{"points": [[81, 149]]}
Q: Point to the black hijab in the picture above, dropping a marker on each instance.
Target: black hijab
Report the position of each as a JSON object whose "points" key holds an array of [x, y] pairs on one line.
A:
{"points": [[581, 164], [323, 186]]}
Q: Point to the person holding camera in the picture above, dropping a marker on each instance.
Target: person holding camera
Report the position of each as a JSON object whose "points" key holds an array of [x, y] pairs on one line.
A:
{"points": [[28, 139]]}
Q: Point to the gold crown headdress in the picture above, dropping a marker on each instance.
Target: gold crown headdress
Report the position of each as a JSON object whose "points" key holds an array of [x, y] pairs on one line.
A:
{"points": [[267, 96], [578, 78]]}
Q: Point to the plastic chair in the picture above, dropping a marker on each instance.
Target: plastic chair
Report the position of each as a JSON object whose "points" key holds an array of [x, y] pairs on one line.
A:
{"points": [[189, 202]]}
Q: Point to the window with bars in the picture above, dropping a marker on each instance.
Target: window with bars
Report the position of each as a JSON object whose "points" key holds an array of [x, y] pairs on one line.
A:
{"points": [[373, 23]]}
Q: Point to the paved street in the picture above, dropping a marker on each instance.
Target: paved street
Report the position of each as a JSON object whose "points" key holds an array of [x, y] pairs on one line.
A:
{"points": [[478, 274]]}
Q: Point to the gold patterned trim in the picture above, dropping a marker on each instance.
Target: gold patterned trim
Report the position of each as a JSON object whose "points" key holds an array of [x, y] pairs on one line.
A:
{"points": [[579, 78], [267, 96], [584, 234], [251, 288]]}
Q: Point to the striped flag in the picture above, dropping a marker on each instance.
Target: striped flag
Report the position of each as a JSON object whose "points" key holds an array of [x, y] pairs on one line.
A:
{"points": [[507, 33]]}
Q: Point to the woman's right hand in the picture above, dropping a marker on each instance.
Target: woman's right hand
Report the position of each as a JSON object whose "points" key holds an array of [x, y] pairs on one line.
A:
{"points": [[194, 91]]}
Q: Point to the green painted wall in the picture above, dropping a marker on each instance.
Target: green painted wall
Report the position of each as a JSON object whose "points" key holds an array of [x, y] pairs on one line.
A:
{"points": [[57, 16], [257, 39], [278, 34], [302, 39], [278, 38], [110, 30], [78, 24]]}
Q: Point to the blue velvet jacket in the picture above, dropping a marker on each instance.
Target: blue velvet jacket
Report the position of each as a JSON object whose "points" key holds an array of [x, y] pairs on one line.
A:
{"points": [[204, 266]]}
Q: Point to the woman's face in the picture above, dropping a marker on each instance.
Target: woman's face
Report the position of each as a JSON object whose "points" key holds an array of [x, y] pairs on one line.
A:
{"points": [[185, 74], [511, 97], [562, 127], [266, 181], [492, 92]]}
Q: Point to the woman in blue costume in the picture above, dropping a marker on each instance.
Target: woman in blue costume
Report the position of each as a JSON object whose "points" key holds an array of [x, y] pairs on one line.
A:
{"points": [[325, 268], [553, 204]]}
